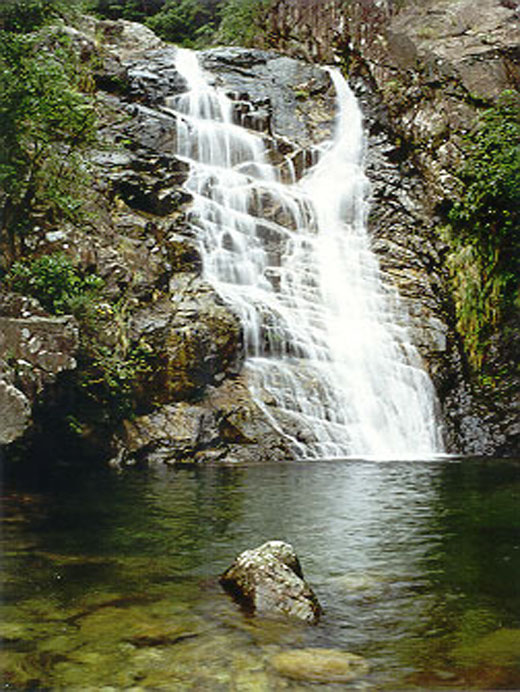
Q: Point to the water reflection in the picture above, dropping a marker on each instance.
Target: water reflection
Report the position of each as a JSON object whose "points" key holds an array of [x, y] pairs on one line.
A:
{"points": [[415, 563]]}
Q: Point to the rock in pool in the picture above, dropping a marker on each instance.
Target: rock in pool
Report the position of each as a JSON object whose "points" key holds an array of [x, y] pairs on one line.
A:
{"points": [[269, 580]]}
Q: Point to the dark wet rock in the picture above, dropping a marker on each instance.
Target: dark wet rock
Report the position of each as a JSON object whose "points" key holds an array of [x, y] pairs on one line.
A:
{"points": [[275, 94], [269, 580], [225, 427], [197, 340], [320, 665]]}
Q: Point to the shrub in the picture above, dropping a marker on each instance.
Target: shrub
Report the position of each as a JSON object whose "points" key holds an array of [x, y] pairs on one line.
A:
{"points": [[55, 282]]}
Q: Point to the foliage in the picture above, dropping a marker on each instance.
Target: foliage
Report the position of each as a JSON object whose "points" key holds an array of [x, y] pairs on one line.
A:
{"points": [[110, 376], [187, 22], [55, 282], [484, 232], [44, 123], [133, 10], [192, 23], [240, 21], [22, 16]]}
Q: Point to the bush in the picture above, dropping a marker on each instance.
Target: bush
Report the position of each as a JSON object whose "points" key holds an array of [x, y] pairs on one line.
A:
{"points": [[55, 282], [133, 10]]}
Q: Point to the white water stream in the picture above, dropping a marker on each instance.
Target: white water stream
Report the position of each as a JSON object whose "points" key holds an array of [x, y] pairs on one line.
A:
{"points": [[328, 354]]}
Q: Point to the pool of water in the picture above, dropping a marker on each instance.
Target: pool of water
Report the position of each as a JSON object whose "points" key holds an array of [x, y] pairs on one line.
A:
{"points": [[110, 580]]}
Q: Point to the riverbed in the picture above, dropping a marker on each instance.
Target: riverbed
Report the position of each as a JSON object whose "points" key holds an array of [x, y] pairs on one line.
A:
{"points": [[111, 578]]}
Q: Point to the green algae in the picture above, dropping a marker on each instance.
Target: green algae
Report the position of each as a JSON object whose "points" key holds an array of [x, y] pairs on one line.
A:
{"points": [[498, 648]]}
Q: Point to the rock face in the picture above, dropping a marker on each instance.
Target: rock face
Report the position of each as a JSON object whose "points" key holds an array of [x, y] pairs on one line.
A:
{"points": [[422, 72], [224, 427], [275, 94], [35, 348], [269, 581]]}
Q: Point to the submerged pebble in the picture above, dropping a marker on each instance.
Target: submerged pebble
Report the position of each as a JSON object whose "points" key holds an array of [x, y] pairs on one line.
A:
{"points": [[320, 665]]}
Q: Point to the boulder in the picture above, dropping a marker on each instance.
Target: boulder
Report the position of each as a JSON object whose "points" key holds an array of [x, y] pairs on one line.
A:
{"points": [[269, 580]]}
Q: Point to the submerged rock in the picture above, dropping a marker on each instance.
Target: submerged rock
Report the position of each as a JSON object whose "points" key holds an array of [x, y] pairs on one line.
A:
{"points": [[269, 580], [319, 665]]}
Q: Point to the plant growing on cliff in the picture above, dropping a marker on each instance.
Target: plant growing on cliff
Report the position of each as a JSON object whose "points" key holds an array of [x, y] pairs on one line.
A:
{"points": [[484, 230], [56, 283], [111, 376], [45, 122], [109, 373]]}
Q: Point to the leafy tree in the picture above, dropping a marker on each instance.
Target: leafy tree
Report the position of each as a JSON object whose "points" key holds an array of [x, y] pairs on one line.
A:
{"points": [[240, 21], [133, 10], [187, 22], [22, 16], [485, 224], [44, 122]]}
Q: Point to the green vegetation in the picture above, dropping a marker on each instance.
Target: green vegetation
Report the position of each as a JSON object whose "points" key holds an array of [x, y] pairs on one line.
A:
{"points": [[110, 376], [484, 226], [241, 21], [22, 16], [132, 10], [45, 122], [108, 373], [187, 22], [191, 23], [56, 283]]}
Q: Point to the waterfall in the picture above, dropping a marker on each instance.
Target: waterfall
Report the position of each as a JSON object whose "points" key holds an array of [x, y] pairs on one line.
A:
{"points": [[329, 359]]}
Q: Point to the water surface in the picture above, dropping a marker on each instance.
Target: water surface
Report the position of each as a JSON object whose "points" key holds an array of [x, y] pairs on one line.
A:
{"points": [[110, 580]]}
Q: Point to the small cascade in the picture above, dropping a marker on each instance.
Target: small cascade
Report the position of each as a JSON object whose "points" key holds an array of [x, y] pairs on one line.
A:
{"points": [[328, 356]]}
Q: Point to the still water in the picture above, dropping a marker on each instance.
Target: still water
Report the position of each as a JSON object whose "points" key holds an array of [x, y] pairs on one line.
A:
{"points": [[110, 580]]}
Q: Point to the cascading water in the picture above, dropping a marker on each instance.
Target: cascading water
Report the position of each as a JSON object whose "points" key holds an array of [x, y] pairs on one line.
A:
{"points": [[328, 356]]}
